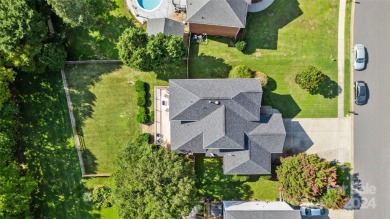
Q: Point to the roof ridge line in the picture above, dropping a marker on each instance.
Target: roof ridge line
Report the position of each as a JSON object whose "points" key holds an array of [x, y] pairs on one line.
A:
{"points": [[198, 98], [227, 1], [206, 2], [241, 105]]}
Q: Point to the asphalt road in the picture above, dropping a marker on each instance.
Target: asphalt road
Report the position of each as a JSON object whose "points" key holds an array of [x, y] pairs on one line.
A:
{"points": [[372, 122]]}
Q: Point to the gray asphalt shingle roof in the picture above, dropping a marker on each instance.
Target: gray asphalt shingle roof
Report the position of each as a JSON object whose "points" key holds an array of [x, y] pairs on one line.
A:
{"points": [[223, 116], [259, 210], [231, 13], [165, 26]]}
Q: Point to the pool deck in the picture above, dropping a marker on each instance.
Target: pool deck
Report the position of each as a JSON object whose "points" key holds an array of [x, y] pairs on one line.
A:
{"points": [[165, 10]]}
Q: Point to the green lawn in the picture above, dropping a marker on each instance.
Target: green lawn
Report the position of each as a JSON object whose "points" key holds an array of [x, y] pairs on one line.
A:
{"points": [[99, 42], [347, 62], [104, 101], [211, 182], [282, 41]]}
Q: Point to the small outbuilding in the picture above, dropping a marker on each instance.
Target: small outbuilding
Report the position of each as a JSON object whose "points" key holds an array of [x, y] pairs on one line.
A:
{"points": [[259, 210], [165, 26]]}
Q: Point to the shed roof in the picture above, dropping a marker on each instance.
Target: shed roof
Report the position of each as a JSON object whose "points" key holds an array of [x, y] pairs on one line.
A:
{"points": [[165, 26]]}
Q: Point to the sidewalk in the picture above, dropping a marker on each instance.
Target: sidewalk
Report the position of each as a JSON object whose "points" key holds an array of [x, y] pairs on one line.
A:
{"points": [[340, 57]]}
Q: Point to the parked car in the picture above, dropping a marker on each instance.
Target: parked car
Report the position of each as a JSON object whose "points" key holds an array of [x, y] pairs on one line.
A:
{"points": [[360, 92], [359, 56], [312, 210]]}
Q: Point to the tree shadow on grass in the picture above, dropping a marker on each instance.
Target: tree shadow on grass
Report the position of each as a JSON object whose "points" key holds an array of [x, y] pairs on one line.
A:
{"points": [[328, 88], [282, 102], [89, 158], [204, 66], [49, 147], [262, 28], [211, 182], [172, 72], [80, 78]]}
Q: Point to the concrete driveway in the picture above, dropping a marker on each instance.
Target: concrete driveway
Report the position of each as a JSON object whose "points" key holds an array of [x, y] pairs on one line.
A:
{"points": [[330, 138]]}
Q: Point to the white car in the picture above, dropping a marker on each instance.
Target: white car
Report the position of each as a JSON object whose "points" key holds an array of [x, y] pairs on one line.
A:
{"points": [[359, 56]]}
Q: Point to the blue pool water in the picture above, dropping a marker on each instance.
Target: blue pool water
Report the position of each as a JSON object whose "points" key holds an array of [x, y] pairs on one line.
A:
{"points": [[149, 4]]}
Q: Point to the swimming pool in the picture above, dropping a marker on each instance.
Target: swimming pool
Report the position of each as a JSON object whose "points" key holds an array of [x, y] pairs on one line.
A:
{"points": [[149, 5]]}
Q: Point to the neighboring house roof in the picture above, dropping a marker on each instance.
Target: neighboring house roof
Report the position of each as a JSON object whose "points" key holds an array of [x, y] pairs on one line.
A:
{"points": [[165, 26], [259, 210], [223, 117], [231, 13]]}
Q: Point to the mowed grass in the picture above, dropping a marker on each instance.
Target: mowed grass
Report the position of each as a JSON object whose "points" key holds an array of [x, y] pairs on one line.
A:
{"points": [[104, 101], [282, 41], [347, 61], [211, 182], [99, 41]]}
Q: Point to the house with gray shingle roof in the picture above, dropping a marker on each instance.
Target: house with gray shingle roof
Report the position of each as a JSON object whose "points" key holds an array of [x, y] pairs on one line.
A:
{"points": [[259, 210], [217, 17], [224, 117]]}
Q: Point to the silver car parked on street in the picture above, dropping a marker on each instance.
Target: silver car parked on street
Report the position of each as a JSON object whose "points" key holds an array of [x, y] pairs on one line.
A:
{"points": [[359, 56]]}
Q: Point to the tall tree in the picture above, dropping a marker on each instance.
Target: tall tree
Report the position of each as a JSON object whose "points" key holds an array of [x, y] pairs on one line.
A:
{"points": [[132, 48], [22, 32], [76, 12], [53, 56], [151, 182], [15, 185], [150, 53], [305, 177]]}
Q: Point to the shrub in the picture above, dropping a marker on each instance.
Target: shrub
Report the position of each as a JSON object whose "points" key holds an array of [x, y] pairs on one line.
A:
{"points": [[141, 101], [142, 94], [87, 197], [305, 177], [310, 79], [142, 118], [240, 71], [139, 86], [241, 45], [141, 110], [143, 138], [263, 78], [334, 198], [102, 197]]}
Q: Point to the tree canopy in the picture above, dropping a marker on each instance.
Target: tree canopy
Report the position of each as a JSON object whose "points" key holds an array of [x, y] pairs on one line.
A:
{"points": [[75, 12], [305, 177], [22, 32], [151, 182], [15, 184], [310, 79], [148, 53], [53, 56]]}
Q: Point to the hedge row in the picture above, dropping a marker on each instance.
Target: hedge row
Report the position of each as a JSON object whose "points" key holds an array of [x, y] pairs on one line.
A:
{"points": [[142, 115]]}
